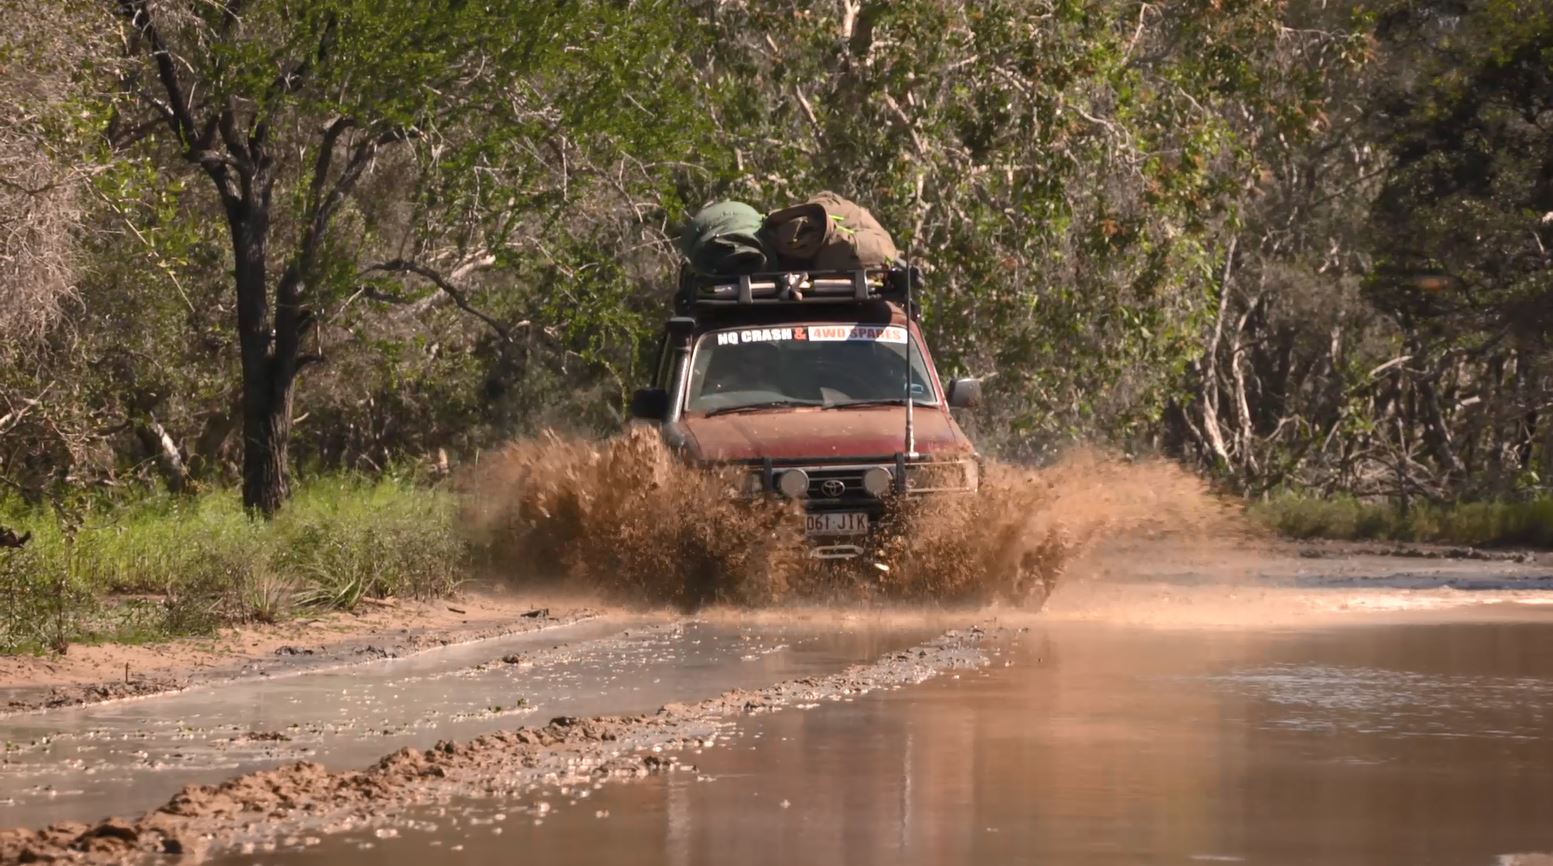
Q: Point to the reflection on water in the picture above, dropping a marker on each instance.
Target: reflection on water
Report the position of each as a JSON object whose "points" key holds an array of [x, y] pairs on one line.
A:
{"points": [[1384, 744]]}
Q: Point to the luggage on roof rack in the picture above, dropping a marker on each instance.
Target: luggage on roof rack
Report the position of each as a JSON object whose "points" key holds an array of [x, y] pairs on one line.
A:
{"points": [[828, 232], [725, 238]]}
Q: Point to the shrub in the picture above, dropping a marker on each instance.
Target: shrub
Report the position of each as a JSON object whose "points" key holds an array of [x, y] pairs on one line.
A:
{"points": [[1527, 522]]}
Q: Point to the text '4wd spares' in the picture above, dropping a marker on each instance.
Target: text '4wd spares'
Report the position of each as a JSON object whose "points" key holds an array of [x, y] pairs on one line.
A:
{"points": [[816, 333]]}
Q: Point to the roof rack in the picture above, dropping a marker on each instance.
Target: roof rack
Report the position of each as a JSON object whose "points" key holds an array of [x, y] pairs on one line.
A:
{"points": [[794, 287]]}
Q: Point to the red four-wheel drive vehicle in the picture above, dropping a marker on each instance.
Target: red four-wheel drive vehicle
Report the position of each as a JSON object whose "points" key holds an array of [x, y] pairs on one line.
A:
{"points": [[802, 377]]}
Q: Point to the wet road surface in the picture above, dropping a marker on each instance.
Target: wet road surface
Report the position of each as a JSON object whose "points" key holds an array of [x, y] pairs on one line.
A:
{"points": [[125, 757], [1427, 741]]}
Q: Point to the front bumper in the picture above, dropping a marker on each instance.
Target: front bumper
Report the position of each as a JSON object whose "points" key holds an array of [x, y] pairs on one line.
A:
{"points": [[844, 488]]}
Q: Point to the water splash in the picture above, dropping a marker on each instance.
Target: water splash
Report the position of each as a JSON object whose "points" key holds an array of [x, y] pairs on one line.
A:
{"points": [[625, 518]]}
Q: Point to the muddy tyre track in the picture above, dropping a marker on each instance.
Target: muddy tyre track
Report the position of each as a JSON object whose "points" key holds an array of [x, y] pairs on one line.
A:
{"points": [[263, 809], [304, 655]]}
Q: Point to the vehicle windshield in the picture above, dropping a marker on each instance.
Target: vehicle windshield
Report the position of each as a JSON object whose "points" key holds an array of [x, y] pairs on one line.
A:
{"points": [[832, 364]]}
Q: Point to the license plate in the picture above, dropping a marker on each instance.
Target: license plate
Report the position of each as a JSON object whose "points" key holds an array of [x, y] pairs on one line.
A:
{"points": [[836, 523]]}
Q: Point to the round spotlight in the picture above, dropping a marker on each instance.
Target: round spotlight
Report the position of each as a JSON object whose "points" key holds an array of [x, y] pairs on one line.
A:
{"points": [[794, 483], [877, 481]]}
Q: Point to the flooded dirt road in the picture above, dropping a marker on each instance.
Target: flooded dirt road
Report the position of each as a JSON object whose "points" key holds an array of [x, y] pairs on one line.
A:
{"points": [[1383, 738], [119, 758], [1310, 709]]}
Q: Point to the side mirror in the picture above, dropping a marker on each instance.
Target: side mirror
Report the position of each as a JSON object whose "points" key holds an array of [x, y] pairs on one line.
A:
{"points": [[964, 393], [650, 404]]}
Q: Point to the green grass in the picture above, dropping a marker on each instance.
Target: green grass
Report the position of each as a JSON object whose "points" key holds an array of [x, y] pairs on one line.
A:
{"points": [[144, 566], [1526, 523]]}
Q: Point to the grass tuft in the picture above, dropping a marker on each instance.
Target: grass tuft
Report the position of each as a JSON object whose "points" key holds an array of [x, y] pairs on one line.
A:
{"points": [[149, 566]]}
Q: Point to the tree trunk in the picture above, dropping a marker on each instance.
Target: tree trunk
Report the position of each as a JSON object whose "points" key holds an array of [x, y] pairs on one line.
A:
{"points": [[1210, 369], [1246, 435], [169, 462], [267, 378], [214, 433], [1437, 429]]}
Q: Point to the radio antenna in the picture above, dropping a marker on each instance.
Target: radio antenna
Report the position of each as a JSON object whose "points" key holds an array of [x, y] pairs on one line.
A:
{"points": [[911, 430]]}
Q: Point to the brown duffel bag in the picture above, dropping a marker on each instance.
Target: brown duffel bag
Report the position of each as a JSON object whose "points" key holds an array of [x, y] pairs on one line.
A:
{"points": [[827, 233]]}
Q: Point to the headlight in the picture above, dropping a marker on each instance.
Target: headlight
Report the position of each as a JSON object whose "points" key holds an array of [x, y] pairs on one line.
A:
{"points": [[793, 483], [877, 481]]}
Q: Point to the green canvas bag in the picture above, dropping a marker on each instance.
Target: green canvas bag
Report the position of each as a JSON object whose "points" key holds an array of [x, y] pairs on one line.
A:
{"points": [[725, 238]]}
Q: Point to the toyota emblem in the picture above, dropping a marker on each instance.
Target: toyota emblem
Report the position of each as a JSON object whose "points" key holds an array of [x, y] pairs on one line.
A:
{"points": [[833, 488]]}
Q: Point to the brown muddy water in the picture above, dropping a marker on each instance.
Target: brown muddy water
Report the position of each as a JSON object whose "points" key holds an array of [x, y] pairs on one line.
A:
{"points": [[1374, 739], [124, 757]]}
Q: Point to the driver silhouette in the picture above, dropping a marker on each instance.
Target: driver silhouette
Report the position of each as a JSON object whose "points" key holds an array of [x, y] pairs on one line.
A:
{"points": [[745, 367]]}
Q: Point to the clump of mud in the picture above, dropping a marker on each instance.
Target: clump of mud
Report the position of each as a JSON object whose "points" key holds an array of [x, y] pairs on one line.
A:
{"points": [[624, 517]]}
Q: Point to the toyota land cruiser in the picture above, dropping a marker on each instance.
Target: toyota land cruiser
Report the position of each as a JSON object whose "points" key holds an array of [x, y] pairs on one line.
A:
{"points": [[820, 387]]}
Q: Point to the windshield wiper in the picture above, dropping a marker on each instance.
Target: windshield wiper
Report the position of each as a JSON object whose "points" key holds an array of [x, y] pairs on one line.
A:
{"points": [[887, 401], [755, 407]]}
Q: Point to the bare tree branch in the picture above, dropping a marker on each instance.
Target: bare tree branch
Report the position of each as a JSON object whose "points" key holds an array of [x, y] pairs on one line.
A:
{"points": [[458, 295]]}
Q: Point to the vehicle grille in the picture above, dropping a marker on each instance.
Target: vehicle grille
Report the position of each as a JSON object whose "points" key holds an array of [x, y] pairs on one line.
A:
{"points": [[822, 485]]}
